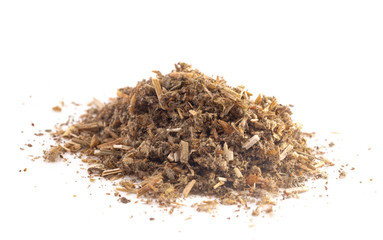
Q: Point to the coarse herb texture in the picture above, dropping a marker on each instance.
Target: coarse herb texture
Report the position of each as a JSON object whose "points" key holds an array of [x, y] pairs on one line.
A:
{"points": [[187, 133]]}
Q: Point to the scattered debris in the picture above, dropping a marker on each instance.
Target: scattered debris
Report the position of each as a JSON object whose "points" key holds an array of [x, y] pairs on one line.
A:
{"points": [[57, 109], [124, 200], [342, 173], [206, 206]]}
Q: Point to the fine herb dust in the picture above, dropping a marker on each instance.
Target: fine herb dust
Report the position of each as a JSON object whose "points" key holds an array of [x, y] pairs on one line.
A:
{"points": [[187, 133]]}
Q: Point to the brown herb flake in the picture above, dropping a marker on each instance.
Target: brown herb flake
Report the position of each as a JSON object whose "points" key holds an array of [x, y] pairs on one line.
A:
{"points": [[57, 109]]}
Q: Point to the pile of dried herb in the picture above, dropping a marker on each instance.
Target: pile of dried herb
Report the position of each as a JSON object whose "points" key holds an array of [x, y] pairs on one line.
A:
{"points": [[187, 133]]}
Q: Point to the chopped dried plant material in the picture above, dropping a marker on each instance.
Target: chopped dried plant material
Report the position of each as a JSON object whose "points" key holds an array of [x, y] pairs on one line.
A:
{"points": [[187, 133]]}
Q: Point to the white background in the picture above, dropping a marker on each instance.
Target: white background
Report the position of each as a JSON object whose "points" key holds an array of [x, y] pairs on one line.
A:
{"points": [[324, 57]]}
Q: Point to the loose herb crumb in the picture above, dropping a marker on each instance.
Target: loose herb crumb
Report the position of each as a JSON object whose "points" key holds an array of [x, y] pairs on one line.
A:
{"points": [[57, 109]]}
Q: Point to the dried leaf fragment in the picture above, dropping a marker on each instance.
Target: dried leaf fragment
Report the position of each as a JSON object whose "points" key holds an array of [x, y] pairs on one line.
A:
{"points": [[226, 127]]}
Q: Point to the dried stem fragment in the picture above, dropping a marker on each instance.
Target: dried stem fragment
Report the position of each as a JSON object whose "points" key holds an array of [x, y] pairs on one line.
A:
{"points": [[81, 142], [253, 140], [188, 188], [220, 183], [286, 152], [88, 126], [238, 173], [122, 147], [157, 88], [174, 129], [296, 190], [184, 152], [132, 104], [111, 172]]}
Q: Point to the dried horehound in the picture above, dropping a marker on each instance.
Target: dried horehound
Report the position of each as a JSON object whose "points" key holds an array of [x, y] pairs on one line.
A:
{"points": [[185, 132]]}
